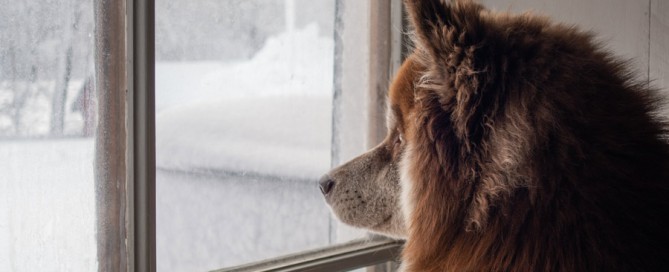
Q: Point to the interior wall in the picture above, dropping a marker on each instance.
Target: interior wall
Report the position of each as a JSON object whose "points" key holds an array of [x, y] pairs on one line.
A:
{"points": [[637, 30]]}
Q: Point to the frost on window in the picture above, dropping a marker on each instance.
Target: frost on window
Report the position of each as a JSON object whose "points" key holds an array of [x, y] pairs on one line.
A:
{"points": [[47, 106], [244, 114]]}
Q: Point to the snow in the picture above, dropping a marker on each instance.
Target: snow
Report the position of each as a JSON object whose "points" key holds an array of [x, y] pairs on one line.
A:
{"points": [[270, 115], [290, 64], [47, 206], [207, 222], [276, 136]]}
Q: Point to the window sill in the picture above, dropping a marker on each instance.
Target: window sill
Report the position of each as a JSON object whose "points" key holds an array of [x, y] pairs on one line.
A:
{"points": [[352, 255]]}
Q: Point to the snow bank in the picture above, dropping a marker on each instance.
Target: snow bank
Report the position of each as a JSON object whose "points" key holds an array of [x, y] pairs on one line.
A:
{"points": [[278, 136], [270, 115], [298, 63]]}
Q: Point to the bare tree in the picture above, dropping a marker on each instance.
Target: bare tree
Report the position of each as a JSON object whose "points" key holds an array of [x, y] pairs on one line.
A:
{"points": [[59, 96], [44, 46], [22, 41]]}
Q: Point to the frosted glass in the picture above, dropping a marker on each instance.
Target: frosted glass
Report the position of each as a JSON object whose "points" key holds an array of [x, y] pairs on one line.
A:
{"points": [[47, 115]]}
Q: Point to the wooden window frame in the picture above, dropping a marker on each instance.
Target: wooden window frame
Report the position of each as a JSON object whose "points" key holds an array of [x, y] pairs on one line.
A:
{"points": [[125, 143], [343, 257], [125, 140]]}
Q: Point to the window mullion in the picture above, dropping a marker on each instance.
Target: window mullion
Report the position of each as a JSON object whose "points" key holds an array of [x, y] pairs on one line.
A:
{"points": [[141, 59], [110, 139]]}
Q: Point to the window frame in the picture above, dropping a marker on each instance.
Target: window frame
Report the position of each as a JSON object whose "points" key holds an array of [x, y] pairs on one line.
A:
{"points": [[125, 193], [126, 83], [141, 123], [111, 153], [355, 254]]}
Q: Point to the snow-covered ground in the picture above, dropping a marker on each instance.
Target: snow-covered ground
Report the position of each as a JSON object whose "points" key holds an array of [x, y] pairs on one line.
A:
{"points": [[206, 222], [277, 136], [239, 149], [47, 209]]}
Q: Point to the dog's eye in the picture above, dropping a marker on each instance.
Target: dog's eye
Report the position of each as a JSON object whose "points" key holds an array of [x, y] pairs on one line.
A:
{"points": [[400, 139]]}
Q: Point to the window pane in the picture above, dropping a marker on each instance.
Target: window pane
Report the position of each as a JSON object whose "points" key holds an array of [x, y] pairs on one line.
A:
{"points": [[47, 116], [244, 114]]}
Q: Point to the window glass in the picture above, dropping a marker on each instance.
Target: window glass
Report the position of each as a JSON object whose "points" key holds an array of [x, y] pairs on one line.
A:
{"points": [[47, 121], [243, 129]]}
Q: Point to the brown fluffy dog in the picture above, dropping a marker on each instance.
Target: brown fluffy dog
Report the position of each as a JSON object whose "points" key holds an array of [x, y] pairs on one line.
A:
{"points": [[514, 144]]}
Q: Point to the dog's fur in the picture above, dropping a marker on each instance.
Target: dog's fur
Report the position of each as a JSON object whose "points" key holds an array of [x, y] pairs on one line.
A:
{"points": [[514, 144]]}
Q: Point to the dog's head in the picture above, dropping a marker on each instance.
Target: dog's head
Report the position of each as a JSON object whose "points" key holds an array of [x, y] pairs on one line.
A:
{"points": [[455, 146], [365, 192]]}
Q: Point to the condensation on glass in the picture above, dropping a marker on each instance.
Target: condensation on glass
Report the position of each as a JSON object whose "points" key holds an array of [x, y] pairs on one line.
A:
{"points": [[243, 129], [48, 110]]}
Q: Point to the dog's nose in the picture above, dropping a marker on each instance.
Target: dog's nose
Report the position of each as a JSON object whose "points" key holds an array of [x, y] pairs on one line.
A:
{"points": [[326, 184]]}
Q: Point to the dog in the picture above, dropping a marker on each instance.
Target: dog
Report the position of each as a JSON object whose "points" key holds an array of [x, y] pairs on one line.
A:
{"points": [[514, 144]]}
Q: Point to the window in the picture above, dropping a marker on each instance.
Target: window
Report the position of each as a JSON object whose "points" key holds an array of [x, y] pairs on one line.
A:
{"points": [[250, 112], [47, 136], [76, 121], [69, 189], [243, 130]]}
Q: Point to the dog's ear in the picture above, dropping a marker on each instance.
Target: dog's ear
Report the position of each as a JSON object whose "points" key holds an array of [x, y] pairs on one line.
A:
{"points": [[449, 42], [440, 27]]}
